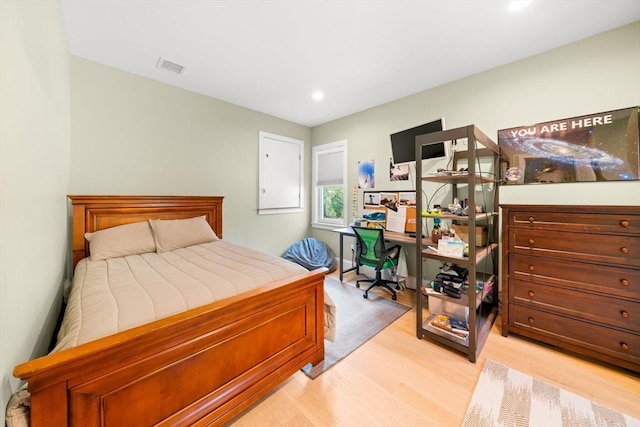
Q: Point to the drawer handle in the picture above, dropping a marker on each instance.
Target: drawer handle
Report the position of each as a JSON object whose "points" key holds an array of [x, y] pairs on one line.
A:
{"points": [[624, 314], [624, 346], [533, 294], [530, 320], [531, 219], [624, 282], [531, 268], [531, 241], [624, 250], [624, 223]]}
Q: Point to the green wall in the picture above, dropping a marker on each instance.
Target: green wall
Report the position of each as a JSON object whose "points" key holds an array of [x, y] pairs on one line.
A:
{"points": [[133, 135], [34, 178]]}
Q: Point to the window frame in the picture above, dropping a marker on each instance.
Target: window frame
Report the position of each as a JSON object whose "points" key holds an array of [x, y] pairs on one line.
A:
{"points": [[317, 199]]}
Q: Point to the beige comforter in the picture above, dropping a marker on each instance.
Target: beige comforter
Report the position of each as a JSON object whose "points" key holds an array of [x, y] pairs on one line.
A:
{"points": [[117, 294]]}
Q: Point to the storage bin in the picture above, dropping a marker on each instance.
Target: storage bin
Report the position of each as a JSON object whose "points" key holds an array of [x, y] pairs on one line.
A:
{"points": [[441, 306]]}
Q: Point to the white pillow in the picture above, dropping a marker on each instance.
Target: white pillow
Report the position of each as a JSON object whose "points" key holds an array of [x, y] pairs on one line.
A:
{"points": [[121, 240], [172, 234]]}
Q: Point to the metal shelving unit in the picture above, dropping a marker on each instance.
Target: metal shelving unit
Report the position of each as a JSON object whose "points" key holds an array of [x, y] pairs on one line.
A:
{"points": [[481, 305]]}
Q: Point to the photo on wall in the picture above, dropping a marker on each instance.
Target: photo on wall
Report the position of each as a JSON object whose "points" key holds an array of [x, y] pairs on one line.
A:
{"points": [[398, 172], [596, 147], [366, 174], [389, 201], [371, 199], [407, 198]]}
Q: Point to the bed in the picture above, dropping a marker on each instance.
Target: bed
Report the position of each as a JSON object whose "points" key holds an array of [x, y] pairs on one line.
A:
{"points": [[200, 366]]}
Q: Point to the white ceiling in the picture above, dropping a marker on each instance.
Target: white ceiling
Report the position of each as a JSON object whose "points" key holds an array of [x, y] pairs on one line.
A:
{"points": [[270, 56]]}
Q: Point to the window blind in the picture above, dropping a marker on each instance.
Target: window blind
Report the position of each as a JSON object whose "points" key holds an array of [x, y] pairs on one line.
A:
{"points": [[330, 168]]}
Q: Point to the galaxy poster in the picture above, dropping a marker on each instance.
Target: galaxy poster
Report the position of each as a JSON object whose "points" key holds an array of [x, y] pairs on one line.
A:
{"points": [[596, 147]]}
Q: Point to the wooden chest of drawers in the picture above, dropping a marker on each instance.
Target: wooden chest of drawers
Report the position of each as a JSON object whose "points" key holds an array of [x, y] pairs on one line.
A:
{"points": [[571, 278]]}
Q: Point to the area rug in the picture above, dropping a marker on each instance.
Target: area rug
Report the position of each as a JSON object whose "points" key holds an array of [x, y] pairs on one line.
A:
{"points": [[506, 397], [357, 321]]}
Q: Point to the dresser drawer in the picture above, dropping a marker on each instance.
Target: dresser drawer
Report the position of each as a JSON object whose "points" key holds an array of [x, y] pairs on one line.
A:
{"points": [[620, 313], [622, 250], [618, 223], [600, 339], [618, 281]]}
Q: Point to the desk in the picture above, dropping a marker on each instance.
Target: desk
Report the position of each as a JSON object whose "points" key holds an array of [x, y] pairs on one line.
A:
{"points": [[390, 236]]}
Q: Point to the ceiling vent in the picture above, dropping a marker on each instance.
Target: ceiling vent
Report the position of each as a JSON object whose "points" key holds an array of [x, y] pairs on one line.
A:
{"points": [[170, 66]]}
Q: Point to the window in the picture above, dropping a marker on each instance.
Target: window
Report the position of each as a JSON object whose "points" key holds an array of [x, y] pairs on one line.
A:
{"points": [[329, 182], [281, 177]]}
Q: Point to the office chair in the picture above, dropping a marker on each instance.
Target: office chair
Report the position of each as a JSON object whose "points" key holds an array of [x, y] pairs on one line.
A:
{"points": [[371, 251]]}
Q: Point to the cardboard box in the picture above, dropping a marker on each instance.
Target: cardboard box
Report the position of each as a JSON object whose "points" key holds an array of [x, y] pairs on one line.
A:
{"points": [[462, 231]]}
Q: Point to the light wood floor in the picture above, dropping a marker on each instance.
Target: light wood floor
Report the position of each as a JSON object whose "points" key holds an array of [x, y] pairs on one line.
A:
{"points": [[397, 380]]}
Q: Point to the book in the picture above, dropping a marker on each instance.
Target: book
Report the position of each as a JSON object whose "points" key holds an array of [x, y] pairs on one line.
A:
{"points": [[458, 325]]}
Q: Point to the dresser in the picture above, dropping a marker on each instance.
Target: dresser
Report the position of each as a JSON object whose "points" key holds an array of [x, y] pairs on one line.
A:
{"points": [[571, 278]]}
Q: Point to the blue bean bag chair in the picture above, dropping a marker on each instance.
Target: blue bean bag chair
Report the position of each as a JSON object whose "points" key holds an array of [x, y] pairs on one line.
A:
{"points": [[311, 253]]}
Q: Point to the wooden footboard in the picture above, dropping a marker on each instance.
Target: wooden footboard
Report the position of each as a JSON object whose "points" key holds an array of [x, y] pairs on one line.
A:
{"points": [[201, 367]]}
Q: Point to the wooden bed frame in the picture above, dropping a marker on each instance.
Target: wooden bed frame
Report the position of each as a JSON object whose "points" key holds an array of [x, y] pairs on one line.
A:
{"points": [[200, 367]]}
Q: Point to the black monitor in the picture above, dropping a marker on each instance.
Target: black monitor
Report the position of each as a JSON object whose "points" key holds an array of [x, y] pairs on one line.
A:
{"points": [[403, 143]]}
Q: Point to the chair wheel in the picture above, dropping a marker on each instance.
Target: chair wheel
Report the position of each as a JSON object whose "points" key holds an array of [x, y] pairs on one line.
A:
{"points": [[358, 285], [365, 296], [397, 287], [394, 297]]}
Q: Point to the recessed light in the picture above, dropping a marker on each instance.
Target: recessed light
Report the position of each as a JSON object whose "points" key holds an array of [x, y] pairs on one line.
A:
{"points": [[516, 5], [317, 95]]}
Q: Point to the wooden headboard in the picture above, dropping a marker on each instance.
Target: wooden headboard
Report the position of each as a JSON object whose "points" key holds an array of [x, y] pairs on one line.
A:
{"points": [[93, 213]]}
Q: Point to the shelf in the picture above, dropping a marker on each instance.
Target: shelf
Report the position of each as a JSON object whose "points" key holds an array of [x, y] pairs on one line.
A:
{"points": [[480, 252], [459, 179], [479, 216], [464, 297], [463, 341], [483, 324]]}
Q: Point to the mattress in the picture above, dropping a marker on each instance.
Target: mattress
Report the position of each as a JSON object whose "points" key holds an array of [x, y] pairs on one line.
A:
{"points": [[112, 295]]}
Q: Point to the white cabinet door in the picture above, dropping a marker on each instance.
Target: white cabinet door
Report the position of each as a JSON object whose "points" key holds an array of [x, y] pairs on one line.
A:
{"points": [[281, 179]]}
